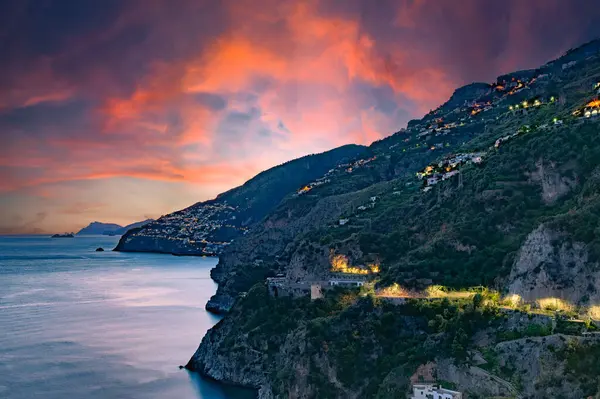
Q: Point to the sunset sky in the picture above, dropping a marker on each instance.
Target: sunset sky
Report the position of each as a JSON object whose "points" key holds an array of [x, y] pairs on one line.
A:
{"points": [[119, 110]]}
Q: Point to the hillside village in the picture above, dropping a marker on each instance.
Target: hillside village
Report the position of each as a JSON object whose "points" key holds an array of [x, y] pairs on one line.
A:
{"points": [[206, 227]]}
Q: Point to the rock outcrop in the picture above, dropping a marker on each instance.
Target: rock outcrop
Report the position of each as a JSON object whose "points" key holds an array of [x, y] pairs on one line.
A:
{"points": [[550, 265]]}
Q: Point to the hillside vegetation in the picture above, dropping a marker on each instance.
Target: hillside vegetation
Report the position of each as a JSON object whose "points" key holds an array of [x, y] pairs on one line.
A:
{"points": [[540, 167], [494, 194]]}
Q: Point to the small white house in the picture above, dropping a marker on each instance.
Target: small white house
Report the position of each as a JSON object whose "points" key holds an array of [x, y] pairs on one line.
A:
{"points": [[344, 282], [344, 221], [316, 291], [450, 174], [432, 180], [432, 391]]}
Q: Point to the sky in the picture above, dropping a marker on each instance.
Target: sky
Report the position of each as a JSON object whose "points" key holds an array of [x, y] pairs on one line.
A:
{"points": [[120, 110]]}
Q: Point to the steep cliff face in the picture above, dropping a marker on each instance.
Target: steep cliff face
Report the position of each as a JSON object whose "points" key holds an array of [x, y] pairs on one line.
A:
{"points": [[554, 185], [539, 367], [550, 265]]}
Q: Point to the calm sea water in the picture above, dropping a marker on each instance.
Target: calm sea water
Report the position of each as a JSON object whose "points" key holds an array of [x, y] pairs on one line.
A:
{"points": [[75, 323]]}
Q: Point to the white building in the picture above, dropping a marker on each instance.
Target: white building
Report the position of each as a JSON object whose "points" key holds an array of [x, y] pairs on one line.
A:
{"points": [[432, 391], [344, 221], [347, 280], [432, 180], [316, 291], [448, 175]]}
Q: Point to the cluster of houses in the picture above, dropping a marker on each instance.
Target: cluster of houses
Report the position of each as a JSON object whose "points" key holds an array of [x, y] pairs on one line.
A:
{"points": [[349, 167], [590, 110], [535, 102], [358, 164], [447, 168], [194, 225], [320, 181], [476, 107], [439, 128]]}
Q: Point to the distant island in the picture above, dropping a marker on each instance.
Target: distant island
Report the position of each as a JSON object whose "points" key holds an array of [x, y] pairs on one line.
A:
{"points": [[110, 229], [65, 235]]}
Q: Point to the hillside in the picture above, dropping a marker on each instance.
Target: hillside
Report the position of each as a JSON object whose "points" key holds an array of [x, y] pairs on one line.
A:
{"points": [[495, 192], [206, 228], [544, 164]]}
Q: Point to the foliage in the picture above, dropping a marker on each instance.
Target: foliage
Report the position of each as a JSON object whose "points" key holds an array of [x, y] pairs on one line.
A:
{"points": [[582, 364]]}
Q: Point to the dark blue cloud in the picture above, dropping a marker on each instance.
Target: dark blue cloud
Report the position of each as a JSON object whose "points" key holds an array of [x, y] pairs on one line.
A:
{"points": [[43, 119], [212, 101]]}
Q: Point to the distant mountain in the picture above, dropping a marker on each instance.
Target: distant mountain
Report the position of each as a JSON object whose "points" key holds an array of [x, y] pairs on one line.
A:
{"points": [[99, 228], [206, 228]]}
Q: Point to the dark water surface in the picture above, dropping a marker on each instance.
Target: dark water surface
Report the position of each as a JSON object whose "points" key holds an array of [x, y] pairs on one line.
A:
{"points": [[75, 323]]}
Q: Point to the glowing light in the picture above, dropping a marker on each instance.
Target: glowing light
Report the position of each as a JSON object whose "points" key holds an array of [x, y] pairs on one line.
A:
{"points": [[395, 290], [593, 104], [439, 291], [513, 300], [554, 304], [340, 264], [374, 267], [525, 104], [594, 312], [511, 107]]}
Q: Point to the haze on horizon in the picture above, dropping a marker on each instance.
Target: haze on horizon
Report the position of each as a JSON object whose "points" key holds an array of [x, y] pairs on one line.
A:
{"points": [[122, 110]]}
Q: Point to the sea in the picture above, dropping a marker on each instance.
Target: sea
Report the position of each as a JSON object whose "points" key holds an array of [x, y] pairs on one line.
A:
{"points": [[76, 323]]}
